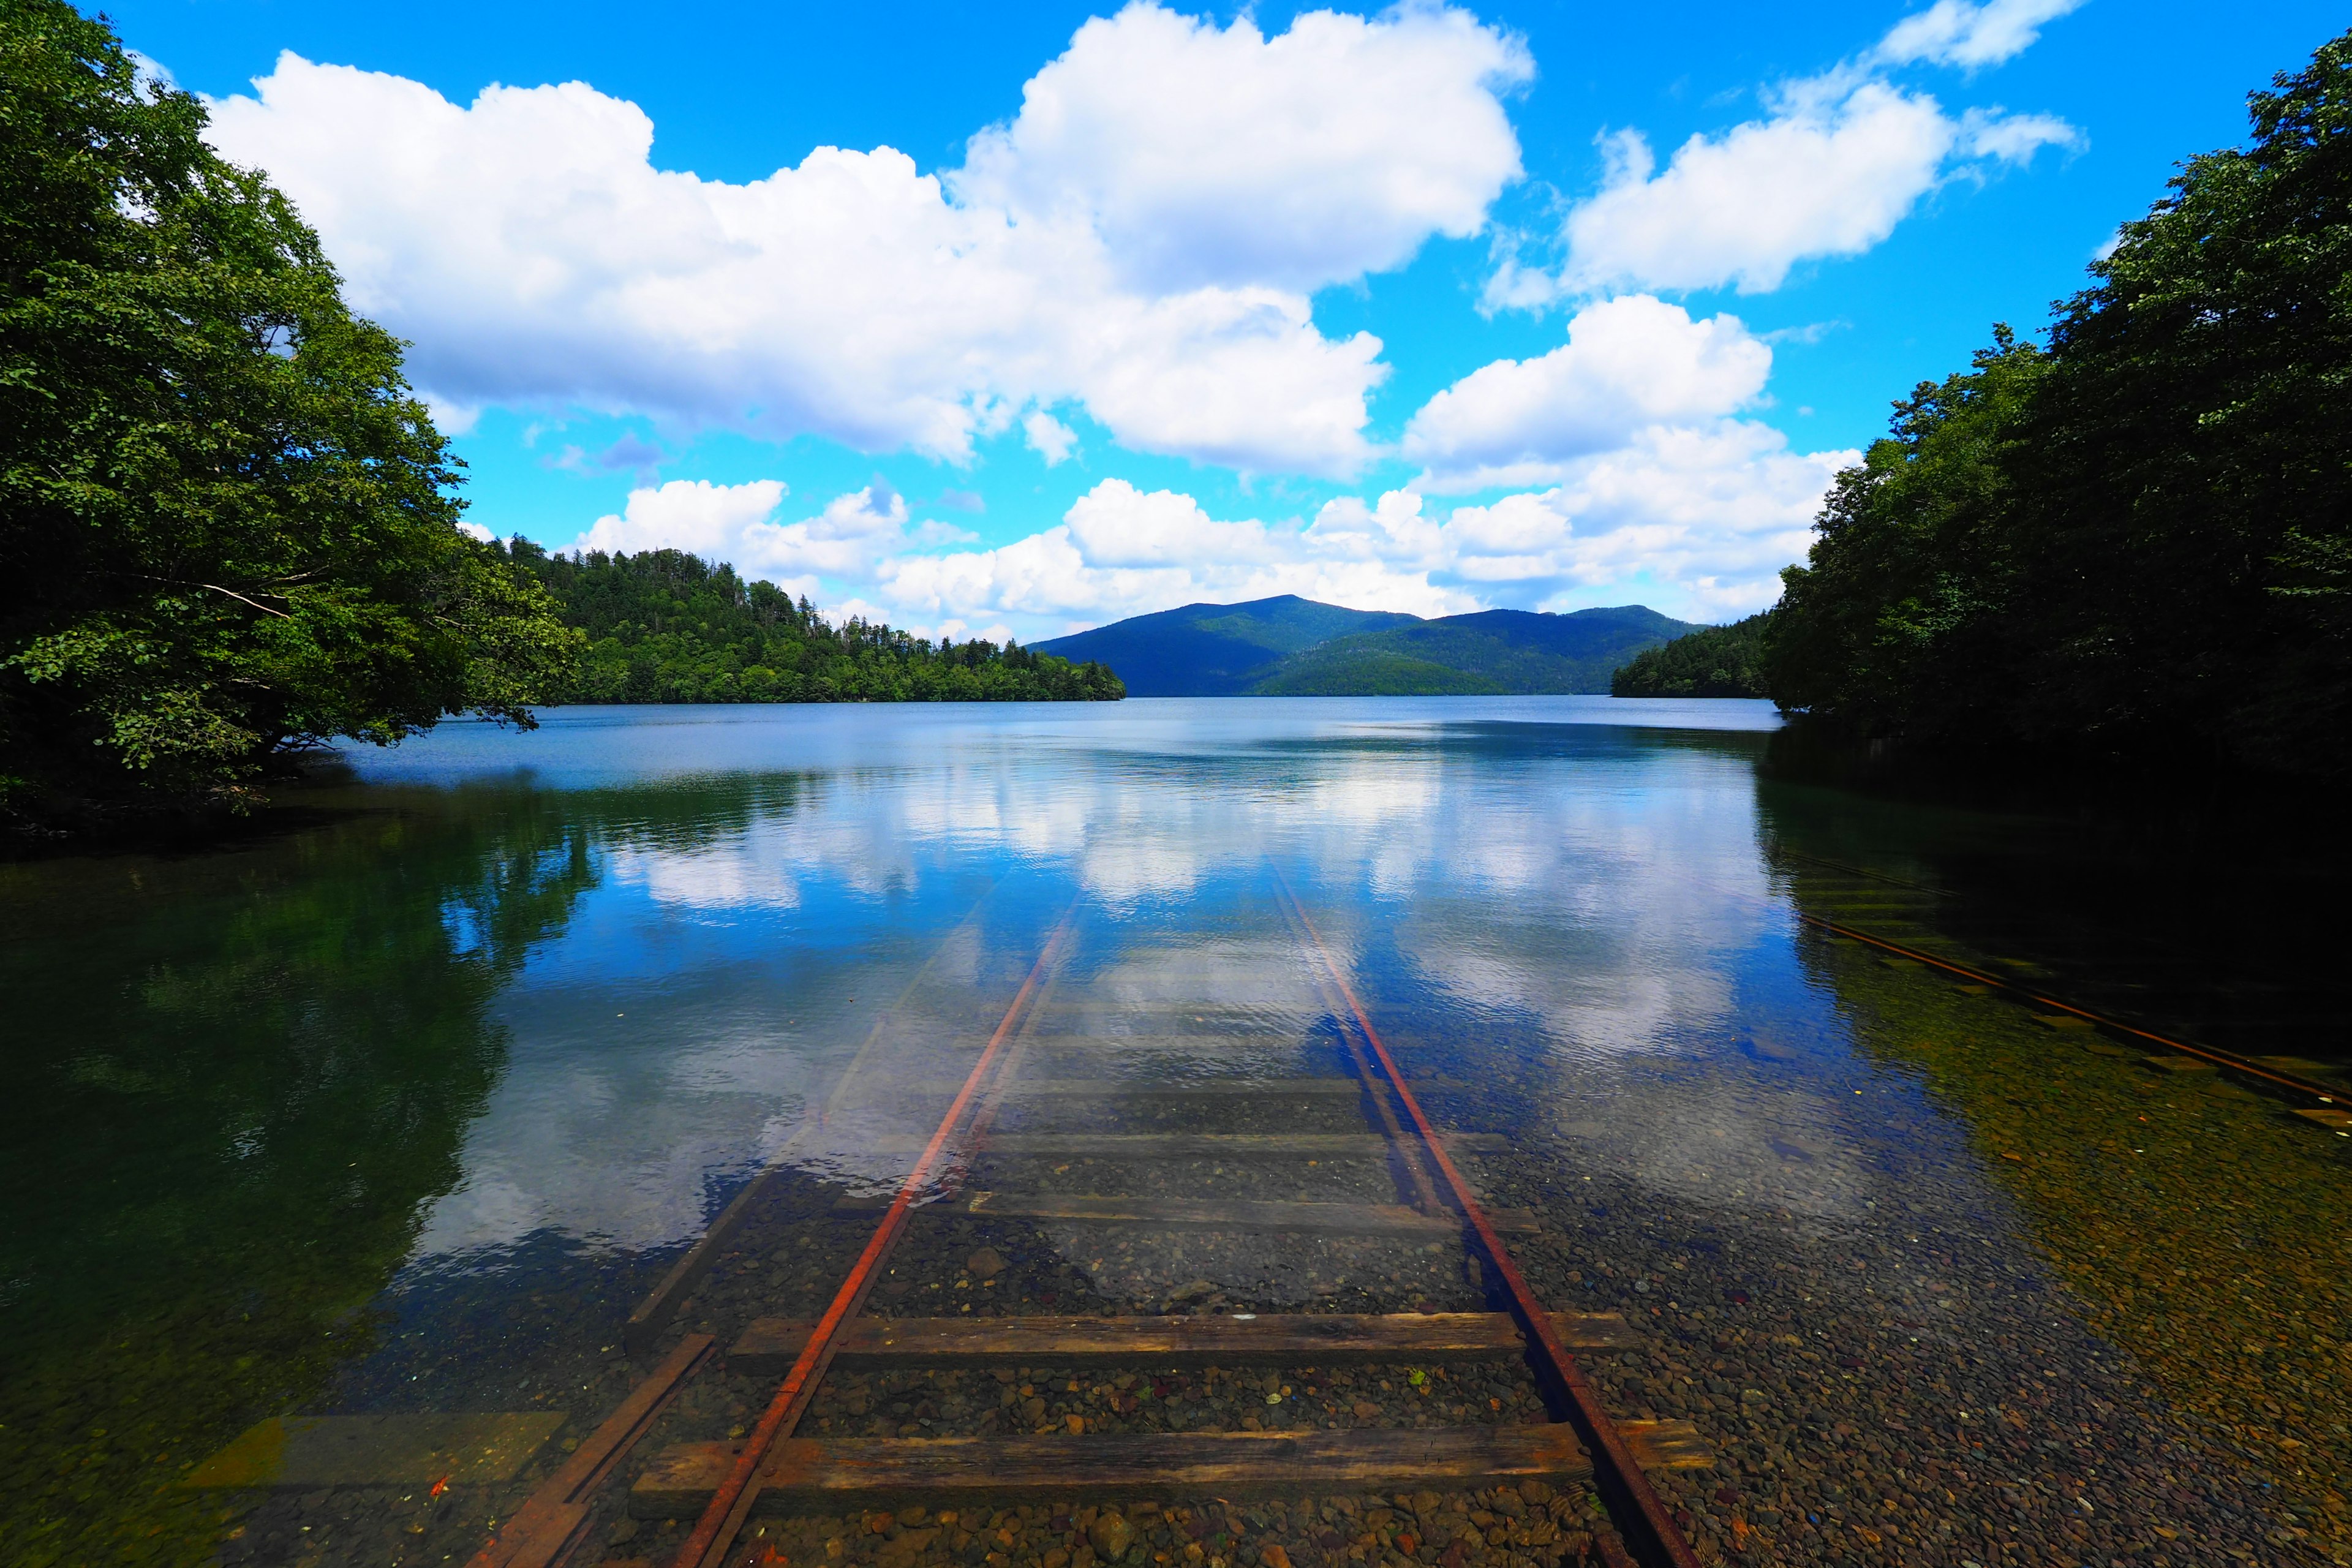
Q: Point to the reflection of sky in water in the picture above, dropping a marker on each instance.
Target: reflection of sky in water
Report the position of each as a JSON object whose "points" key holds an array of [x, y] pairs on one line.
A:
{"points": [[1533, 860]]}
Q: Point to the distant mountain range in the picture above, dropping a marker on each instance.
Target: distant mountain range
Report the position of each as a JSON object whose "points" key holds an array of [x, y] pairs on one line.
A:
{"points": [[1290, 647]]}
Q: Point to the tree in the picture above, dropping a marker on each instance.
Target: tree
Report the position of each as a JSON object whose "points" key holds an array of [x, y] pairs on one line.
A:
{"points": [[1896, 624], [663, 625], [1714, 661], [2137, 541], [227, 528]]}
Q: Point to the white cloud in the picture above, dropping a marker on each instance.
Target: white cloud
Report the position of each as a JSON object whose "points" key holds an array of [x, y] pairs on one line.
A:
{"points": [[1706, 515], [1053, 439], [1956, 32], [1838, 161], [853, 533], [686, 514], [1138, 240], [1217, 157], [1628, 364], [1830, 174], [1696, 520]]}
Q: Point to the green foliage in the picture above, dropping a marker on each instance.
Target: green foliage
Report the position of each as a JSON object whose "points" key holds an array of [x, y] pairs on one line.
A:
{"points": [[220, 1162], [1487, 651], [2135, 541], [1714, 661], [1346, 669], [666, 626], [226, 529]]}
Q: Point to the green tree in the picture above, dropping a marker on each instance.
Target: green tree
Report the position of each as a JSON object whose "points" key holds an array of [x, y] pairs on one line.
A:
{"points": [[2137, 541], [1714, 661], [663, 625], [226, 525], [2189, 464], [1897, 622]]}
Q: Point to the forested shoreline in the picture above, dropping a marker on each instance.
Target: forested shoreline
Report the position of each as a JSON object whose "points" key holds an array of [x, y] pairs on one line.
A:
{"points": [[1714, 661], [665, 625], [2131, 543]]}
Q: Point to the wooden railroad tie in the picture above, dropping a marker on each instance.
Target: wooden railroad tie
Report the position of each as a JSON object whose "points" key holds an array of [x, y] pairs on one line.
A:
{"points": [[831, 1474], [1206, 1214], [1287, 1338], [1199, 1089], [1193, 1145]]}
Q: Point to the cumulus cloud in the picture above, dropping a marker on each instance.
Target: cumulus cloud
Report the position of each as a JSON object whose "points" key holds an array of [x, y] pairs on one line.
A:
{"points": [[1700, 519], [1218, 157], [1830, 173], [1956, 32], [1696, 519], [1837, 161], [1629, 363], [685, 514], [1138, 240], [1052, 439]]}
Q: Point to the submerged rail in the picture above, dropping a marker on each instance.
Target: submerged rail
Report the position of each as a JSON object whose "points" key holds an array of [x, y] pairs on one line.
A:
{"points": [[1636, 1502], [723, 1486], [2230, 1059], [731, 1505]]}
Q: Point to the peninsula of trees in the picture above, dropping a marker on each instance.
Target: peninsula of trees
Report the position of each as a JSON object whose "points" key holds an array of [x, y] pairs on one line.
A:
{"points": [[1714, 661], [666, 626]]}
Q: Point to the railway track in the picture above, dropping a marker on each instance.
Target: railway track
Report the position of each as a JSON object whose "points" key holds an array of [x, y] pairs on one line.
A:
{"points": [[1162, 1129], [1899, 927]]}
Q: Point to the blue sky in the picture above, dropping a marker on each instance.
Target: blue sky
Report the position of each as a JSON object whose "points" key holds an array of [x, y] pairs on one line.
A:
{"points": [[1021, 320]]}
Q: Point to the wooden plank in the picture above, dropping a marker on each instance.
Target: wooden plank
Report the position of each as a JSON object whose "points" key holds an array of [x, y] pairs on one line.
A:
{"points": [[1203, 1042], [2328, 1117], [540, 1532], [1328, 1219], [1193, 1145], [1277, 1339], [884, 1472], [653, 1314], [313, 1451], [1121, 1088]]}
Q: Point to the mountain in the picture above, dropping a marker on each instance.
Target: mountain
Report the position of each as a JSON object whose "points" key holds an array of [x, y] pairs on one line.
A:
{"points": [[1214, 650], [1291, 647]]}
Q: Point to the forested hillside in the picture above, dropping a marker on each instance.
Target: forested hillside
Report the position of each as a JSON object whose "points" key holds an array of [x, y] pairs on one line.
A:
{"points": [[1496, 652], [1290, 647], [1215, 650], [2135, 541], [1714, 661], [666, 626]]}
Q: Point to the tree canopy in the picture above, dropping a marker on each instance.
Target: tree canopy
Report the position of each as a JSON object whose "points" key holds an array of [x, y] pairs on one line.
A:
{"points": [[666, 626], [1714, 661], [228, 527], [2136, 540]]}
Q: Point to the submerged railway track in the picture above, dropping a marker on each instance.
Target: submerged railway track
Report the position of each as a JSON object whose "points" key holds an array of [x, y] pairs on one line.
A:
{"points": [[1275, 1141], [1007, 1135]]}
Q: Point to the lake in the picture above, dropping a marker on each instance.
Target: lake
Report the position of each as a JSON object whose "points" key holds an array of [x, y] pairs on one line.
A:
{"points": [[400, 1103]]}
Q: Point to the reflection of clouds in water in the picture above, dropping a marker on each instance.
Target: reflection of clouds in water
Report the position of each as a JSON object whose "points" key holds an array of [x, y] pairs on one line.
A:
{"points": [[611, 1145], [1601, 898], [739, 873]]}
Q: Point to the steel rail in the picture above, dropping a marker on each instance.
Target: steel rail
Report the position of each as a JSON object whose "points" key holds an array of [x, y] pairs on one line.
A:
{"points": [[1615, 1466], [2235, 1063], [714, 1533]]}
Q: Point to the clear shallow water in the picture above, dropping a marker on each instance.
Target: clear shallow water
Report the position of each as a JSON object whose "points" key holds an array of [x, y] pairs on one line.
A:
{"points": [[404, 1105]]}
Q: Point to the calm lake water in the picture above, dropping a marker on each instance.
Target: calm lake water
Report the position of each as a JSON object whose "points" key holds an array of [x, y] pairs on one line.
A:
{"points": [[402, 1103]]}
